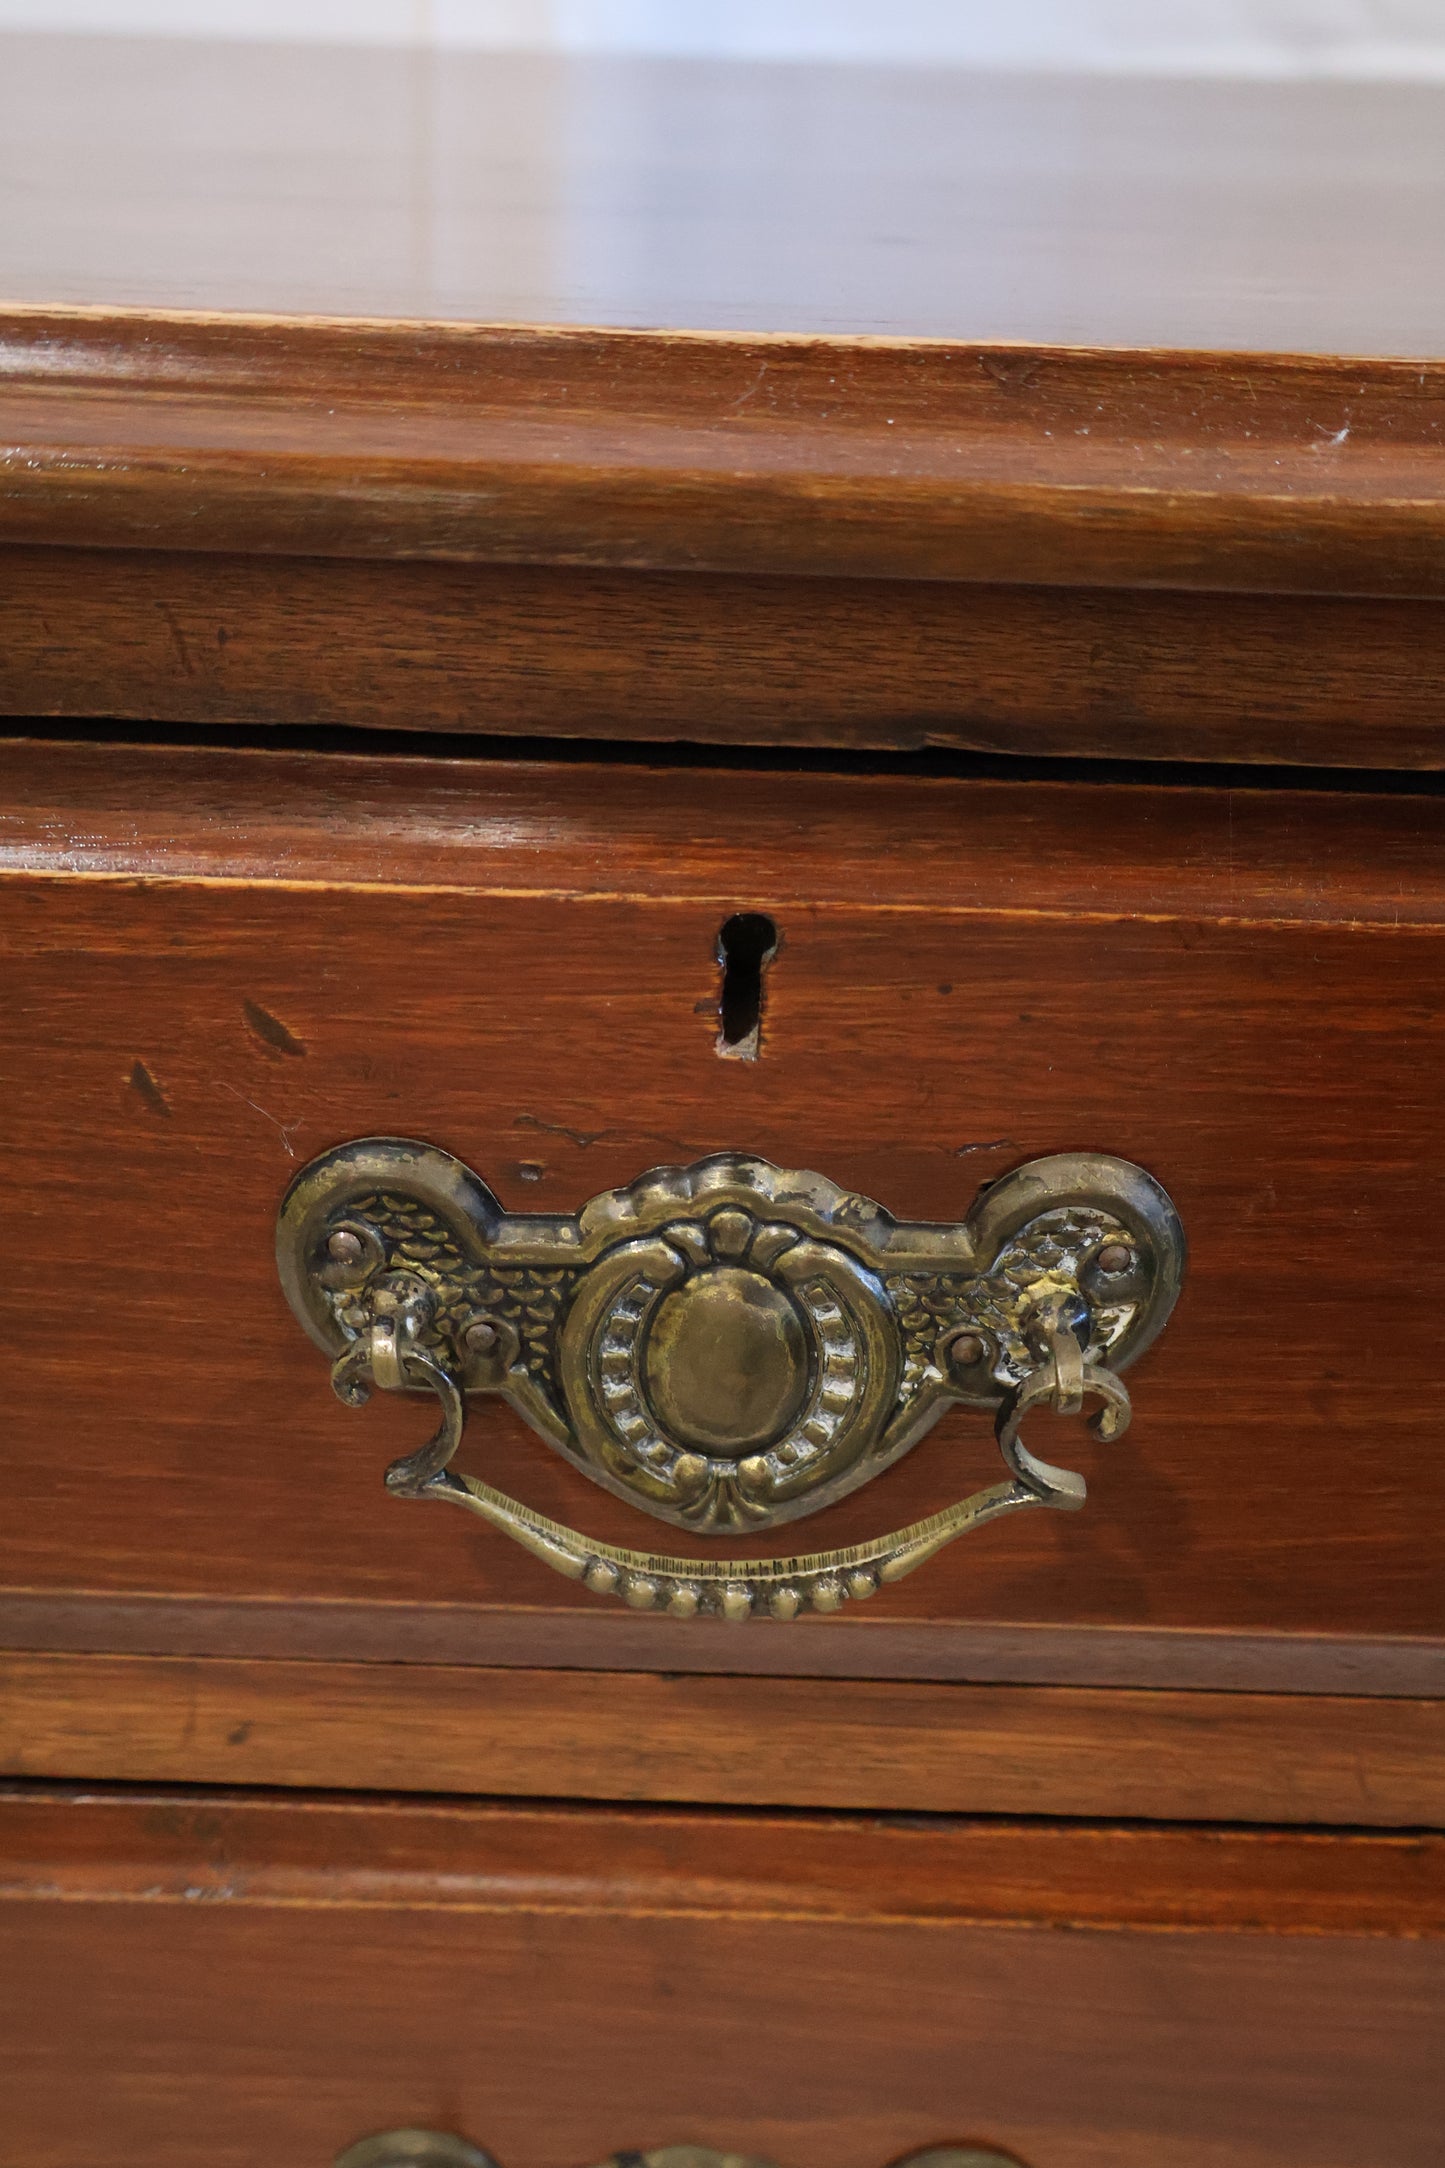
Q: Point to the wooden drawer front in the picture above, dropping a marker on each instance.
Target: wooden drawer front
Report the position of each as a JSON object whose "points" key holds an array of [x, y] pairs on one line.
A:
{"points": [[220, 964], [270, 1982]]}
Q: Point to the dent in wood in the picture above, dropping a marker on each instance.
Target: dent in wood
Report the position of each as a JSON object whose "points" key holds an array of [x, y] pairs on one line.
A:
{"points": [[147, 1090]]}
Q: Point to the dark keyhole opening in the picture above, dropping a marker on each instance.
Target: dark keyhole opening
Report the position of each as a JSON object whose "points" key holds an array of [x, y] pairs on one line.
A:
{"points": [[745, 947]]}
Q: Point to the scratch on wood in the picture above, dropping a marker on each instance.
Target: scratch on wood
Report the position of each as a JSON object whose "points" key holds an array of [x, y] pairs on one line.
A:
{"points": [[743, 397], [583, 1138], [286, 1130], [178, 638]]}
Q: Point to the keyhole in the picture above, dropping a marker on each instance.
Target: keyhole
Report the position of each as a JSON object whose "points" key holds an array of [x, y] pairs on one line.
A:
{"points": [[746, 946]]}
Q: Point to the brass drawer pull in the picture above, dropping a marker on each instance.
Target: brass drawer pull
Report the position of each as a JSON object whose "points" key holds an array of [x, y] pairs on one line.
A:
{"points": [[730, 1346], [438, 2149]]}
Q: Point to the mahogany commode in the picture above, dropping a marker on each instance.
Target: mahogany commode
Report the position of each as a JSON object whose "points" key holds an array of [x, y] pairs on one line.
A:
{"points": [[634, 838]]}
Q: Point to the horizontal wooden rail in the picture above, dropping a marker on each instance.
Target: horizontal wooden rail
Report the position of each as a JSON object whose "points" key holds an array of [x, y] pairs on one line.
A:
{"points": [[786, 1742]]}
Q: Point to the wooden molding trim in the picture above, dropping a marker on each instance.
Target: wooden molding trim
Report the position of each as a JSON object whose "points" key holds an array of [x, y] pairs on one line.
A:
{"points": [[737, 1742], [408, 1855], [886, 458], [1043, 850], [533, 1638]]}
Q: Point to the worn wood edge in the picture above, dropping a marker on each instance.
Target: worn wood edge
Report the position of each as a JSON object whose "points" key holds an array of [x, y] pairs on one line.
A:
{"points": [[394, 823], [158, 878], [654, 451], [542, 1638], [715, 1740], [79, 344], [141, 322], [309, 1852]]}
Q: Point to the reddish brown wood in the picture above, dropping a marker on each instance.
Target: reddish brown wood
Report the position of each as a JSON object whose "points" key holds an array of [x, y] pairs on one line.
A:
{"points": [[1227, 987], [1054, 527], [614, 1640], [1074, 459], [735, 1741], [283, 1980], [217, 638], [534, 830], [1266, 473], [238, 1848]]}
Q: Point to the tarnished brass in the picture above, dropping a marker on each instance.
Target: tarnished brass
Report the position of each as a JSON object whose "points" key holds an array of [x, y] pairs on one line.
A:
{"points": [[726, 1367], [413, 2149], [438, 2149], [728, 1345]]}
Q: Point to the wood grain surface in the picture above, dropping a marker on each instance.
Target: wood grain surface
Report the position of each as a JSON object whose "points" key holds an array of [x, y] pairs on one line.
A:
{"points": [[1027, 1652], [128, 1846], [868, 1745], [600, 535], [1240, 990], [1266, 472], [814, 407], [284, 1979], [217, 638]]}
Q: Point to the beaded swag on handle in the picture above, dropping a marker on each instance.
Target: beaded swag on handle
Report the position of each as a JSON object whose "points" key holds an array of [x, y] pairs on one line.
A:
{"points": [[729, 1346]]}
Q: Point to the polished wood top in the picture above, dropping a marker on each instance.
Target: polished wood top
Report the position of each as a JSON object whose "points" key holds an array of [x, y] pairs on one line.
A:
{"points": [[844, 200], [292, 301]]}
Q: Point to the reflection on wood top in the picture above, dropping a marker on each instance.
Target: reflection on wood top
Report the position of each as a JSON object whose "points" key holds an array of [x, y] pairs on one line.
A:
{"points": [[506, 188], [734, 319]]}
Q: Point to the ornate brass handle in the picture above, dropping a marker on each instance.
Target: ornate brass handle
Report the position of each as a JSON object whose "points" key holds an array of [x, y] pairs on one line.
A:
{"points": [[728, 1345]]}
